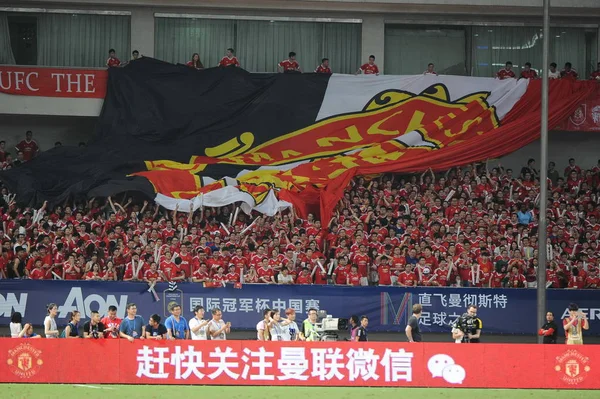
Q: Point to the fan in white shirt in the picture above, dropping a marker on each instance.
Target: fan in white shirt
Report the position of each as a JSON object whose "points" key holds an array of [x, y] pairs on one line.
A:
{"points": [[198, 326]]}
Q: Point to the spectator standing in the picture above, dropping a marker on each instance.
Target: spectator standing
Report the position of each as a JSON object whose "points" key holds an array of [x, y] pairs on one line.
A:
{"points": [[506, 72], [111, 323], [263, 331], [413, 333], [198, 325], [553, 73], [553, 174], [354, 326], [229, 59], [132, 327], [177, 326], [2, 151], [195, 62], [594, 76], [568, 72], [15, 324], [369, 68], [154, 329], [72, 328], [218, 329], [29, 147], [50, 327], [549, 330], [112, 61], [277, 330], [94, 327], [574, 325], [430, 70], [528, 73], [324, 67], [290, 65], [361, 333], [291, 330]]}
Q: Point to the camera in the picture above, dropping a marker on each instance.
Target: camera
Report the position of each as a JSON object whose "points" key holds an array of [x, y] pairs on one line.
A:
{"points": [[328, 327]]}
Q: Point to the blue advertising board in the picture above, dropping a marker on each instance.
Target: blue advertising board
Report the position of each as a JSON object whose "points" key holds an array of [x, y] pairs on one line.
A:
{"points": [[503, 311]]}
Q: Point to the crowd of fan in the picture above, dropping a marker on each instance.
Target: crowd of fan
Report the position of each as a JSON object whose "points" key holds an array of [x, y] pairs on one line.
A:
{"points": [[471, 226], [291, 65]]}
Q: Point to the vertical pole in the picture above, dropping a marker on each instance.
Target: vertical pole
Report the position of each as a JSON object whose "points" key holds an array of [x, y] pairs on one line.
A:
{"points": [[542, 233]]}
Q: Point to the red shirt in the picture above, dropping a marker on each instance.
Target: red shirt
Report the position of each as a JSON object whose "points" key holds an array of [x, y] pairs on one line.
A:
{"points": [[169, 269], [516, 281], [595, 75], [113, 62], [407, 278], [200, 275], [441, 277], [361, 261], [186, 263], [320, 276], [302, 279], [322, 69], [385, 275], [288, 65], [369, 69], [37, 274], [340, 274], [267, 273], [592, 282], [232, 277], [28, 148], [129, 271], [71, 274], [572, 74], [109, 323], [152, 275], [505, 74], [496, 279], [354, 279], [226, 61], [531, 74]]}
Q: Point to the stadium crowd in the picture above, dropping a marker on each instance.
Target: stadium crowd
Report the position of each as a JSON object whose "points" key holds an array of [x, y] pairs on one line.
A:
{"points": [[291, 65], [470, 226]]}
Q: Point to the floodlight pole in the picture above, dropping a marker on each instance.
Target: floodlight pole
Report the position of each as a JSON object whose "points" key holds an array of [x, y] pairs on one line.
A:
{"points": [[542, 225]]}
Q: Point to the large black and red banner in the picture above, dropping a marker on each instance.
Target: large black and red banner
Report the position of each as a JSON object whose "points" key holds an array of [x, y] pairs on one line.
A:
{"points": [[192, 138]]}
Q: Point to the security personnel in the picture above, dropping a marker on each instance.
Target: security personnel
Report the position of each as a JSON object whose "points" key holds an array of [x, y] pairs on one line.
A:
{"points": [[549, 330], [309, 326]]}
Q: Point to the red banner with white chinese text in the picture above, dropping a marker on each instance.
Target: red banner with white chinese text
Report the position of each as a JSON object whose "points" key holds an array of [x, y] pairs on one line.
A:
{"points": [[300, 363], [53, 82]]}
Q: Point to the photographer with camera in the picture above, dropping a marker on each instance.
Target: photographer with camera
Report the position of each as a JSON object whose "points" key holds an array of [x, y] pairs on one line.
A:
{"points": [[94, 328], [575, 324], [467, 328]]}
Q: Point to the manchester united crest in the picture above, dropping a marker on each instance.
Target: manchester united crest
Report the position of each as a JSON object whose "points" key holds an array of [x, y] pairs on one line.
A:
{"points": [[24, 361], [572, 367], [579, 116]]}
